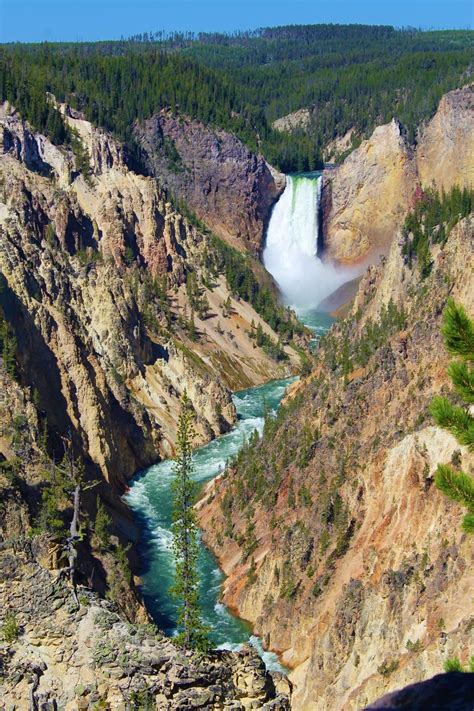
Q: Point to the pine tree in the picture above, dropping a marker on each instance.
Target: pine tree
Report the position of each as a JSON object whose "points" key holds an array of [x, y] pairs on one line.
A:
{"points": [[72, 472], [192, 331], [458, 332], [102, 525], [8, 348], [192, 632], [63, 491]]}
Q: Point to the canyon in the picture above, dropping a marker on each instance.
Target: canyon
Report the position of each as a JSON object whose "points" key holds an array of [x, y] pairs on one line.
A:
{"points": [[336, 545], [77, 253], [118, 304]]}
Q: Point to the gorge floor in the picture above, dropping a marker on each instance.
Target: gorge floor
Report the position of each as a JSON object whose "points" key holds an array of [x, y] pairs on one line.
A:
{"points": [[150, 497]]}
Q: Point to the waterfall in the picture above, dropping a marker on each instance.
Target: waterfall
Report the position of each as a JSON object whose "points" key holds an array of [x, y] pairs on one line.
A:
{"points": [[291, 248]]}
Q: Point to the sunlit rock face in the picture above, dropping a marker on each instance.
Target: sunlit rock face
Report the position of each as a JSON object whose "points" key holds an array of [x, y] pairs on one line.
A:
{"points": [[78, 254], [445, 152], [360, 575], [365, 199]]}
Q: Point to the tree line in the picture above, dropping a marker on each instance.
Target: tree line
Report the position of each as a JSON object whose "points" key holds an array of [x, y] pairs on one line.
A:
{"points": [[349, 75]]}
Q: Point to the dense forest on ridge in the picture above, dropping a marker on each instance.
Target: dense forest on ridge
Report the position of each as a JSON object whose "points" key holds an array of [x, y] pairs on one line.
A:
{"points": [[351, 76]]}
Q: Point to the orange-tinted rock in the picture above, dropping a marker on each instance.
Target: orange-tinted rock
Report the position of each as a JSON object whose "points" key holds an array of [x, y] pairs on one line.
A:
{"points": [[365, 200]]}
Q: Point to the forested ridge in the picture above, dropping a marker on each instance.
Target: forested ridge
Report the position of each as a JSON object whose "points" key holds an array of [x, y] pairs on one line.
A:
{"points": [[349, 75]]}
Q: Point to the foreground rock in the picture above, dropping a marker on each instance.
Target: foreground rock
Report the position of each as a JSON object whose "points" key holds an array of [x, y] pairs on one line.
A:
{"points": [[89, 657], [228, 187], [445, 692]]}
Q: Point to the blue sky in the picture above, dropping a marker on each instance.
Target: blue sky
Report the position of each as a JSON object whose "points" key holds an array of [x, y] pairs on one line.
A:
{"points": [[36, 20]]}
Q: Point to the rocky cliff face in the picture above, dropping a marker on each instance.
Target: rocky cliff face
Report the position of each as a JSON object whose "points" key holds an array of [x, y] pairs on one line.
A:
{"points": [[117, 307], [339, 145], [337, 546], [445, 150], [228, 187], [108, 350], [366, 199]]}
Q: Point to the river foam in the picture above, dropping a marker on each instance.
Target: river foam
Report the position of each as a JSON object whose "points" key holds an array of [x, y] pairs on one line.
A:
{"points": [[291, 247]]}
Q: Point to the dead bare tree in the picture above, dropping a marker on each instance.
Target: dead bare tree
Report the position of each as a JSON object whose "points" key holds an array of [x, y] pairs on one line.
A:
{"points": [[74, 485]]}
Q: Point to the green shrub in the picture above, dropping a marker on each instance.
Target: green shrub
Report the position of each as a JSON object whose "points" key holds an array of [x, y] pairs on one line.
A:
{"points": [[388, 668], [102, 525], [251, 573], [122, 560], [8, 347], [289, 586], [305, 496], [89, 256], [9, 630], [142, 701], [10, 468], [414, 647], [81, 154], [453, 665]]}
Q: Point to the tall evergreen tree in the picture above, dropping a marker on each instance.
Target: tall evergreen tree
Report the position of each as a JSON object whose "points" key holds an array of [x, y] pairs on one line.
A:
{"points": [[192, 632], [458, 332], [9, 348]]}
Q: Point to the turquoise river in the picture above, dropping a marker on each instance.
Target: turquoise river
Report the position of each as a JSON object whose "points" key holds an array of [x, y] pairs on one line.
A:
{"points": [[290, 255], [150, 498]]}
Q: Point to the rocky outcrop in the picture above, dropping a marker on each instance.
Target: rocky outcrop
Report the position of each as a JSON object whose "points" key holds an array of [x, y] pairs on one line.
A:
{"points": [[300, 119], [339, 145], [337, 546], [367, 197], [80, 658], [223, 183], [445, 150]]}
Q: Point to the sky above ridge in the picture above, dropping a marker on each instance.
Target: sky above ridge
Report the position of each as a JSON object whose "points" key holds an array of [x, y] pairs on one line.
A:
{"points": [[75, 20]]}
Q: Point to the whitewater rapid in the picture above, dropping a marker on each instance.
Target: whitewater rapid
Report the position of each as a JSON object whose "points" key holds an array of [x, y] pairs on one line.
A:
{"points": [[291, 248], [151, 498]]}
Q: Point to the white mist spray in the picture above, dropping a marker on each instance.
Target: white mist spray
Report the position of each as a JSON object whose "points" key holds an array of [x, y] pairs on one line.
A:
{"points": [[290, 253]]}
